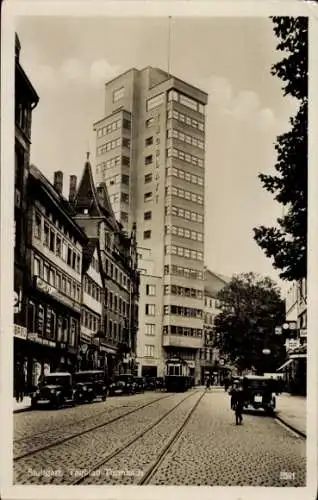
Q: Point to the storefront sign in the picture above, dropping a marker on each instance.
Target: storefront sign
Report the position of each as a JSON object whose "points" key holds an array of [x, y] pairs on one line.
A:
{"points": [[39, 340], [51, 290], [20, 332]]}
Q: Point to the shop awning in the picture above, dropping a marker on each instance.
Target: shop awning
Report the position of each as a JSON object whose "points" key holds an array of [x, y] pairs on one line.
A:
{"points": [[284, 365]]}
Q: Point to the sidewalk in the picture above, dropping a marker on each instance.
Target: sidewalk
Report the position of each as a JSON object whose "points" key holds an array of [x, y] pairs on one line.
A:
{"points": [[21, 406], [292, 411]]}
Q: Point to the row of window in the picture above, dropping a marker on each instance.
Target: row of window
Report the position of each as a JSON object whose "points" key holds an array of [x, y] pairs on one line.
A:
{"points": [[181, 155], [186, 253], [182, 118], [44, 321], [209, 302], [116, 304], [186, 176], [184, 214], [183, 272], [183, 291], [53, 240], [188, 355], [57, 279], [90, 320], [116, 197], [108, 146], [112, 271], [182, 330], [188, 312], [173, 95], [90, 287], [155, 101], [182, 232], [189, 139], [184, 194], [107, 129], [116, 179], [116, 161], [206, 354]]}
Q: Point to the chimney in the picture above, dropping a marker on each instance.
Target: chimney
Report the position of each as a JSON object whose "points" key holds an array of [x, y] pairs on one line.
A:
{"points": [[58, 181], [72, 190]]}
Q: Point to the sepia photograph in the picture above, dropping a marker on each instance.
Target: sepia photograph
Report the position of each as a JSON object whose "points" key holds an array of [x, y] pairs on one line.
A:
{"points": [[157, 205]]}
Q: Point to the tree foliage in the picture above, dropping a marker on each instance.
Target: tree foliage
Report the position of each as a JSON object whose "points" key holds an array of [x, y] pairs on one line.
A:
{"points": [[251, 308], [287, 243]]}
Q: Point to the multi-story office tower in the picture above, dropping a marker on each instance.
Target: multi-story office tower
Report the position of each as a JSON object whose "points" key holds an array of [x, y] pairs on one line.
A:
{"points": [[150, 153]]}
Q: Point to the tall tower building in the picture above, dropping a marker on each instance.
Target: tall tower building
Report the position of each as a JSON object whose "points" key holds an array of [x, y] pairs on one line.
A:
{"points": [[150, 149]]}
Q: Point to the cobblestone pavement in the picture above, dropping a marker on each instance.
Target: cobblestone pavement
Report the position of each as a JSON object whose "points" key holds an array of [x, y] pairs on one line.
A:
{"points": [[45, 427], [57, 465], [211, 450], [214, 451]]}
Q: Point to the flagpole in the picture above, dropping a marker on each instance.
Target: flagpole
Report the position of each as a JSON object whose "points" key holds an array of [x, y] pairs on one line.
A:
{"points": [[169, 44]]}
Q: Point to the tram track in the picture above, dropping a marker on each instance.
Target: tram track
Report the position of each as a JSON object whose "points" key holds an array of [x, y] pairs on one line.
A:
{"points": [[67, 438], [151, 470]]}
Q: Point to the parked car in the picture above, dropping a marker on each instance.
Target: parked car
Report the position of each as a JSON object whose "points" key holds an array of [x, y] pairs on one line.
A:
{"points": [[159, 384], [150, 383], [55, 390], [89, 385], [139, 384], [259, 392], [122, 384]]}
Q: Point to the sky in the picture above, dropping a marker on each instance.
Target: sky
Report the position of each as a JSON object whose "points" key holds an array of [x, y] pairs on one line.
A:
{"points": [[68, 61]]}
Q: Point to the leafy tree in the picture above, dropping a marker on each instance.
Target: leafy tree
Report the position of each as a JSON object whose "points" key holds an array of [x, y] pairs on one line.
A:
{"points": [[287, 243], [251, 308]]}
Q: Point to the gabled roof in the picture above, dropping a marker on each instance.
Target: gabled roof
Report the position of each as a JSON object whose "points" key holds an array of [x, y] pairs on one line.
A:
{"points": [[86, 196], [88, 253], [95, 200]]}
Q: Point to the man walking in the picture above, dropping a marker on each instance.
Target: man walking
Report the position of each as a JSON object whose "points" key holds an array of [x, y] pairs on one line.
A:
{"points": [[237, 404]]}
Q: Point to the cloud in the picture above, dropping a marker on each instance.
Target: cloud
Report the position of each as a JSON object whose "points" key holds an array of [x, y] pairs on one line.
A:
{"points": [[245, 105], [220, 91], [266, 119], [101, 71], [73, 70]]}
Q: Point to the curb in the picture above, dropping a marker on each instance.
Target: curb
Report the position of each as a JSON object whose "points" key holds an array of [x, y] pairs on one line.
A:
{"points": [[20, 410], [291, 427]]}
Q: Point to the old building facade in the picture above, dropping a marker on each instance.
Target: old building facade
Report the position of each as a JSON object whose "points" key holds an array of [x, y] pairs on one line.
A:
{"points": [[26, 100], [54, 273], [116, 337]]}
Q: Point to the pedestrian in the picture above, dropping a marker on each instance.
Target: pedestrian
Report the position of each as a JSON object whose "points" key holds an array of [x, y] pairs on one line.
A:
{"points": [[208, 382], [237, 404], [19, 383], [226, 384]]}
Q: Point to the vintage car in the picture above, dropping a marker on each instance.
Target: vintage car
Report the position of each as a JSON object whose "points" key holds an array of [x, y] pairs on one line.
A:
{"points": [[139, 384], [122, 384], [89, 385], [259, 392], [159, 384], [55, 390], [150, 383]]}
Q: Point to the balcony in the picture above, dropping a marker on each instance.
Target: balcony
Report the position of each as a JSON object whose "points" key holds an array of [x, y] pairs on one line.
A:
{"points": [[182, 341]]}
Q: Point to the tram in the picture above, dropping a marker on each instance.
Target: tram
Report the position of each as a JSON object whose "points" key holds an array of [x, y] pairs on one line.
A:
{"points": [[177, 375]]}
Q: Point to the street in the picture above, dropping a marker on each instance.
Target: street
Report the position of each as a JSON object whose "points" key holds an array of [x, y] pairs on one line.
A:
{"points": [[156, 438]]}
